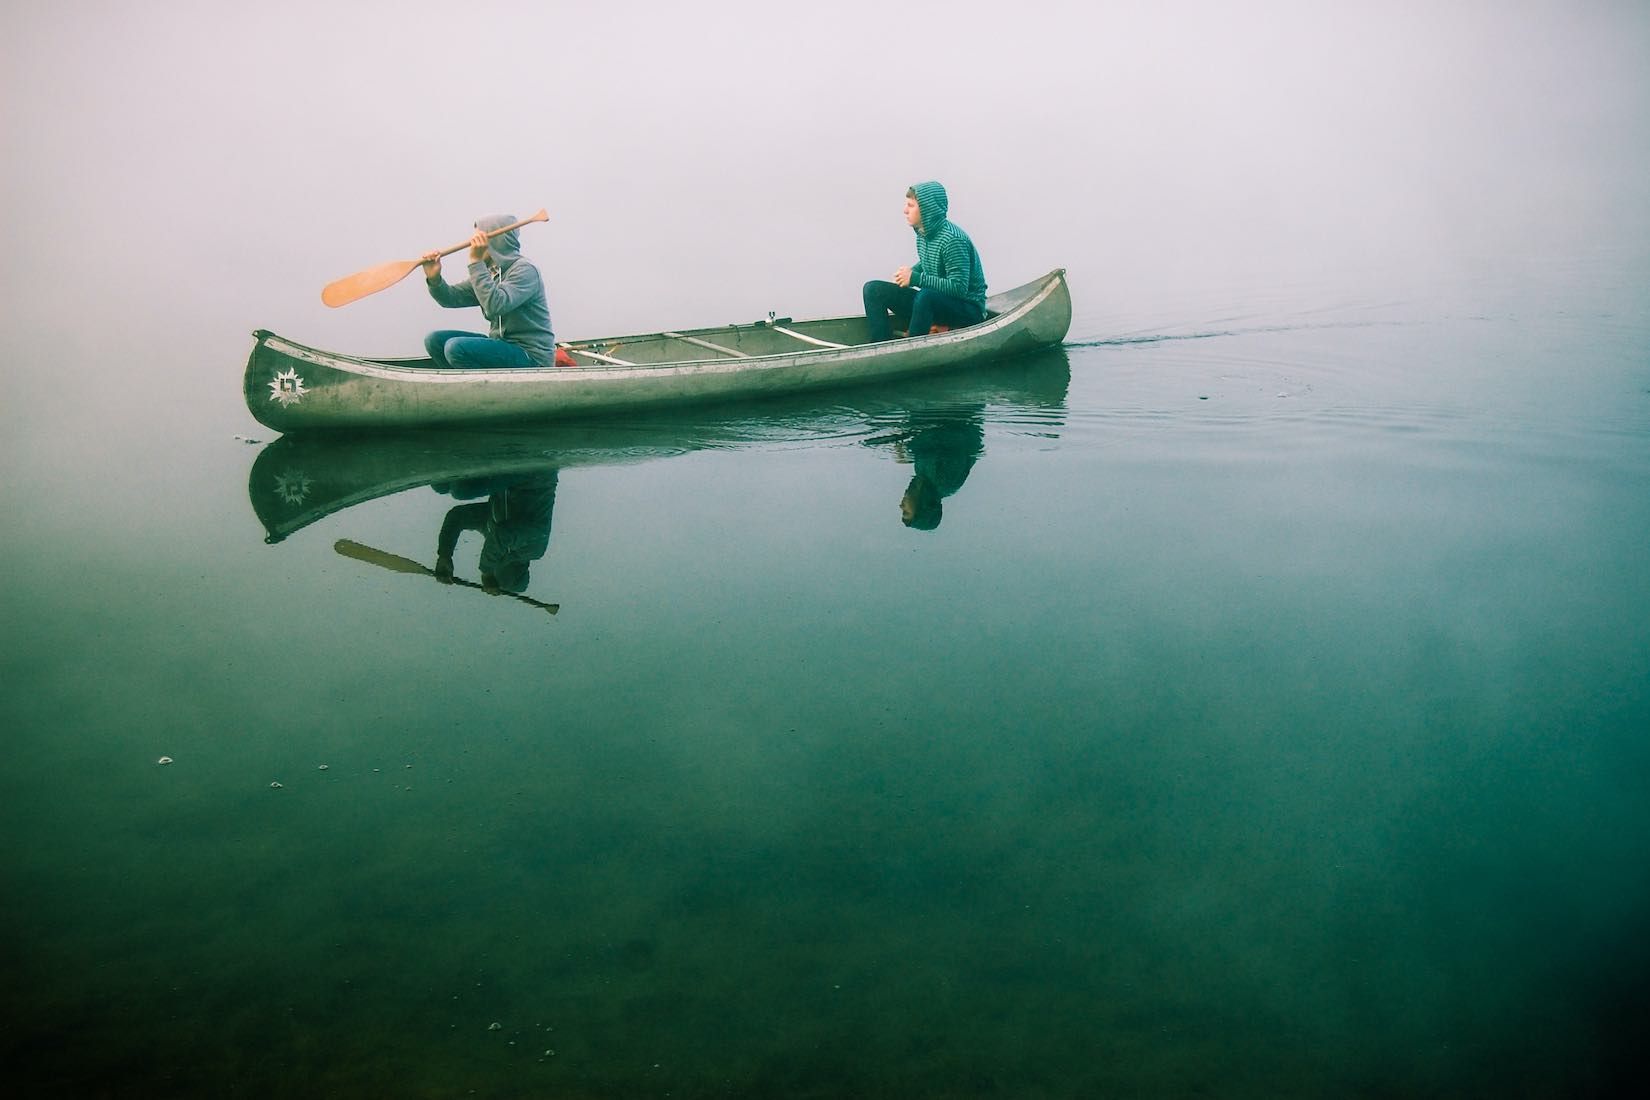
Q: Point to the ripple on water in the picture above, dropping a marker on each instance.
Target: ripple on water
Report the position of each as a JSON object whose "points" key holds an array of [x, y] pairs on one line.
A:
{"points": [[1551, 382]]}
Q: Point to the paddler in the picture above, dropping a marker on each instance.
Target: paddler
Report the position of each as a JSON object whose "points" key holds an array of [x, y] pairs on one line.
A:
{"points": [[510, 293]]}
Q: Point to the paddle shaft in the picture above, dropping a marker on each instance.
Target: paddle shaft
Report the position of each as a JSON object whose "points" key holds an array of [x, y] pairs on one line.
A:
{"points": [[396, 563], [541, 216]]}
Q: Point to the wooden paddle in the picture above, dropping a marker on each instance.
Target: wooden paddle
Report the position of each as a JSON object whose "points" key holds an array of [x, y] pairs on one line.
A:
{"points": [[406, 565], [373, 279]]}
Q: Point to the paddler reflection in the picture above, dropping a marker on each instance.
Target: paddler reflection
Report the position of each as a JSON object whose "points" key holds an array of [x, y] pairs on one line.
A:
{"points": [[513, 521]]}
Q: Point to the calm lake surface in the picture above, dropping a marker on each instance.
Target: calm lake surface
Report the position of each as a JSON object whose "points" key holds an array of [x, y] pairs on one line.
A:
{"points": [[1265, 715], [1263, 711]]}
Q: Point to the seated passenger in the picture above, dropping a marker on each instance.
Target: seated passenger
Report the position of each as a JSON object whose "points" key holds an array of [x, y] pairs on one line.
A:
{"points": [[945, 287]]}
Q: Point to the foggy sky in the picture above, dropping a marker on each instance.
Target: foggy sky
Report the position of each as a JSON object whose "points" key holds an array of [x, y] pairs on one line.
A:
{"points": [[707, 163]]}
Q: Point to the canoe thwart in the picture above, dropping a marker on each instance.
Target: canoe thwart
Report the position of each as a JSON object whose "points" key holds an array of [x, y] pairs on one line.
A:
{"points": [[804, 337], [598, 357], [706, 344]]}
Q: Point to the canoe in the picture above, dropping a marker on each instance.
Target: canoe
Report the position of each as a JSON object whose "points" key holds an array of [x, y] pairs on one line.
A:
{"points": [[302, 478], [293, 388]]}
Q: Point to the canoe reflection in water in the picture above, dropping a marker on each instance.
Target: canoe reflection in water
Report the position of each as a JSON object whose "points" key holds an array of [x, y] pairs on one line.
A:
{"points": [[514, 523], [504, 482]]}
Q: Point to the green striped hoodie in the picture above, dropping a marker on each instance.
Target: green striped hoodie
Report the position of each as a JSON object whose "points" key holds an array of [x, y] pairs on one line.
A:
{"points": [[946, 257]]}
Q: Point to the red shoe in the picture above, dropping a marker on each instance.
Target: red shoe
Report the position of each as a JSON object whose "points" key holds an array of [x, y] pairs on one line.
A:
{"points": [[565, 360], [932, 329]]}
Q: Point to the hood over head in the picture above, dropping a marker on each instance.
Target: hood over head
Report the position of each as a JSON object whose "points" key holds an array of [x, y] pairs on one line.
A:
{"points": [[923, 499], [511, 576], [507, 566], [506, 247], [932, 201]]}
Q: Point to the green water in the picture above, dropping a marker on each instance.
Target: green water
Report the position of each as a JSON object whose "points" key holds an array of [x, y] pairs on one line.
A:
{"points": [[1265, 716]]}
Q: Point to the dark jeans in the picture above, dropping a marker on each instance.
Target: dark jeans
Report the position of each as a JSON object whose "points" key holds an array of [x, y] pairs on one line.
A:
{"points": [[920, 310], [473, 351]]}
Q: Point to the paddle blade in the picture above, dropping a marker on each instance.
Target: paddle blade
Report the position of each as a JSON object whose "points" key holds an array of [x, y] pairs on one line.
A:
{"points": [[379, 557], [362, 283]]}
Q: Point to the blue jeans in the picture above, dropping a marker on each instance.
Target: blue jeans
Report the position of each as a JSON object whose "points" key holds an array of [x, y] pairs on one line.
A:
{"points": [[919, 309], [472, 351]]}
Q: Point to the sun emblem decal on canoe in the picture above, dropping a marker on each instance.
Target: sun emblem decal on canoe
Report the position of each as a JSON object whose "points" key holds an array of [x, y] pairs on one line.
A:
{"points": [[292, 486], [286, 387]]}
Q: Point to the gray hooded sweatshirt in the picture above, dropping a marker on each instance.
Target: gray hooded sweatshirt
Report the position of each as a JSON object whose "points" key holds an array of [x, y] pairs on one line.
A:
{"points": [[509, 291]]}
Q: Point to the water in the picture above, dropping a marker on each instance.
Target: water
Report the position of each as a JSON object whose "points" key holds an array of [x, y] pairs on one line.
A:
{"points": [[1264, 715]]}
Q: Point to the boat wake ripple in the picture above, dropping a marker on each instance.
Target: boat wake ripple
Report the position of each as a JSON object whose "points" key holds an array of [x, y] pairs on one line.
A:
{"points": [[1128, 340]]}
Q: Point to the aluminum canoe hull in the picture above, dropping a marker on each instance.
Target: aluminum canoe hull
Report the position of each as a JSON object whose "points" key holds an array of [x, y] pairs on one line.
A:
{"points": [[291, 387]]}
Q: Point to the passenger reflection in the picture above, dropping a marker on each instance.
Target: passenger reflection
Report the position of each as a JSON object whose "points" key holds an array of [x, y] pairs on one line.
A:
{"points": [[943, 449], [513, 521]]}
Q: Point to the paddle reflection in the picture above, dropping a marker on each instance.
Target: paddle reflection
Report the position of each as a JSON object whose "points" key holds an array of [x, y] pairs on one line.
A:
{"points": [[504, 482]]}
